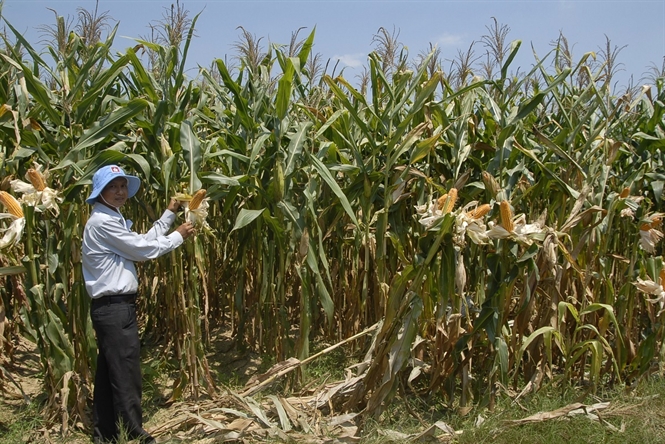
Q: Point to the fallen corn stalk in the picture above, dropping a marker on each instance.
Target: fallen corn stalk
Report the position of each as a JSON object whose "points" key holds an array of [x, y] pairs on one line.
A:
{"points": [[591, 412], [280, 369]]}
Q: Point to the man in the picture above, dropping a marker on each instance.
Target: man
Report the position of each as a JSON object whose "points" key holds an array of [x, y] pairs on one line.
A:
{"points": [[110, 249]]}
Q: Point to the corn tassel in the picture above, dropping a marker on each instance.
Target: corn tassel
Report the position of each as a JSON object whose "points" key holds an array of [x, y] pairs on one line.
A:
{"points": [[506, 216], [197, 199], [36, 179], [12, 205]]}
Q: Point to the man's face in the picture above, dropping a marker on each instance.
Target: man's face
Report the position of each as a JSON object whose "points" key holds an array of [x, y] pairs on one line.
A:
{"points": [[115, 193]]}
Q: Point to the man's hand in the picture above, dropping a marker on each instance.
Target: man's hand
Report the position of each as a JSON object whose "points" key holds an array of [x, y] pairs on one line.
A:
{"points": [[186, 230], [174, 205]]}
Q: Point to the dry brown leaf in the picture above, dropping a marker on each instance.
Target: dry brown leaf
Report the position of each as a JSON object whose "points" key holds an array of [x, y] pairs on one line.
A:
{"points": [[274, 370]]}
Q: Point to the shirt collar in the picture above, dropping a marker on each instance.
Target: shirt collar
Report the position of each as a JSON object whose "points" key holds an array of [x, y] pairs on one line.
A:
{"points": [[106, 210], [115, 214]]}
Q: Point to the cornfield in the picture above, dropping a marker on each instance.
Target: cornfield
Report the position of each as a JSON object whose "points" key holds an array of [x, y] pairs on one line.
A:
{"points": [[500, 229]]}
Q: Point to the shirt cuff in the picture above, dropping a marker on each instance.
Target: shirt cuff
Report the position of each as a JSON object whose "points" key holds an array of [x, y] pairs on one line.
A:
{"points": [[176, 238]]}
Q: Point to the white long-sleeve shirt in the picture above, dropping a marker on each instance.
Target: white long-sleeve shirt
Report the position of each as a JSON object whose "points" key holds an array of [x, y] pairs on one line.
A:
{"points": [[110, 249]]}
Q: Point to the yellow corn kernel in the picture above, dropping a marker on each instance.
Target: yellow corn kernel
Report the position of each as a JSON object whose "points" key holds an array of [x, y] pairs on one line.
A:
{"points": [[11, 204], [506, 216], [36, 179], [480, 211], [441, 201], [450, 202], [197, 199]]}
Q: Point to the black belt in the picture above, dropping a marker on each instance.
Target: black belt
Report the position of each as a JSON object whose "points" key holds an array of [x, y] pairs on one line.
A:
{"points": [[113, 299]]}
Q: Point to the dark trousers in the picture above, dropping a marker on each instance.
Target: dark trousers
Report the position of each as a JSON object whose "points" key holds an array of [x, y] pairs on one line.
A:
{"points": [[117, 393]]}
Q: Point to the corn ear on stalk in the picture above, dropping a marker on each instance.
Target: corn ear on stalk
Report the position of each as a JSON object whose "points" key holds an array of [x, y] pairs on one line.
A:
{"points": [[36, 179], [506, 216], [165, 147], [441, 201], [367, 188], [12, 205], [479, 211], [5, 109], [5, 183], [625, 193], [490, 183], [197, 198], [278, 180], [655, 223], [450, 202], [662, 277]]}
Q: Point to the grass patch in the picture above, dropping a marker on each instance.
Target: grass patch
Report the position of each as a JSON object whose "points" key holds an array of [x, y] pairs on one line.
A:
{"points": [[639, 416], [21, 424]]}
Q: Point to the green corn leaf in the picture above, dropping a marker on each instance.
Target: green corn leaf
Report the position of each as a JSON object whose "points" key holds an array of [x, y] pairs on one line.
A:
{"points": [[328, 178], [191, 147], [40, 93], [245, 217], [213, 178], [12, 271], [320, 287], [295, 148], [284, 89], [109, 123]]}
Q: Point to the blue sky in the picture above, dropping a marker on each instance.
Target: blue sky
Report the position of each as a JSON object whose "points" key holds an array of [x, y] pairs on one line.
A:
{"points": [[344, 29]]}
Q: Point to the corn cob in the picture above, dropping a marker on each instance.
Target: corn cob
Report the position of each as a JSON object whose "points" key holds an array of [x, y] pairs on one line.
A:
{"points": [[450, 202], [197, 199], [480, 211], [662, 277], [506, 216], [441, 201], [625, 193], [655, 223], [12, 205], [36, 179]]}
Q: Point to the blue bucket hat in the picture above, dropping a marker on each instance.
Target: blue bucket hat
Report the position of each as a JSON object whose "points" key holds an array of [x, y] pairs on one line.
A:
{"points": [[106, 174]]}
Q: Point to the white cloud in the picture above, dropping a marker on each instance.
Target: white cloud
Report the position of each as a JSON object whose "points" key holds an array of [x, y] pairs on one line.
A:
{"points": [[352, 60], [449, 40]]}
